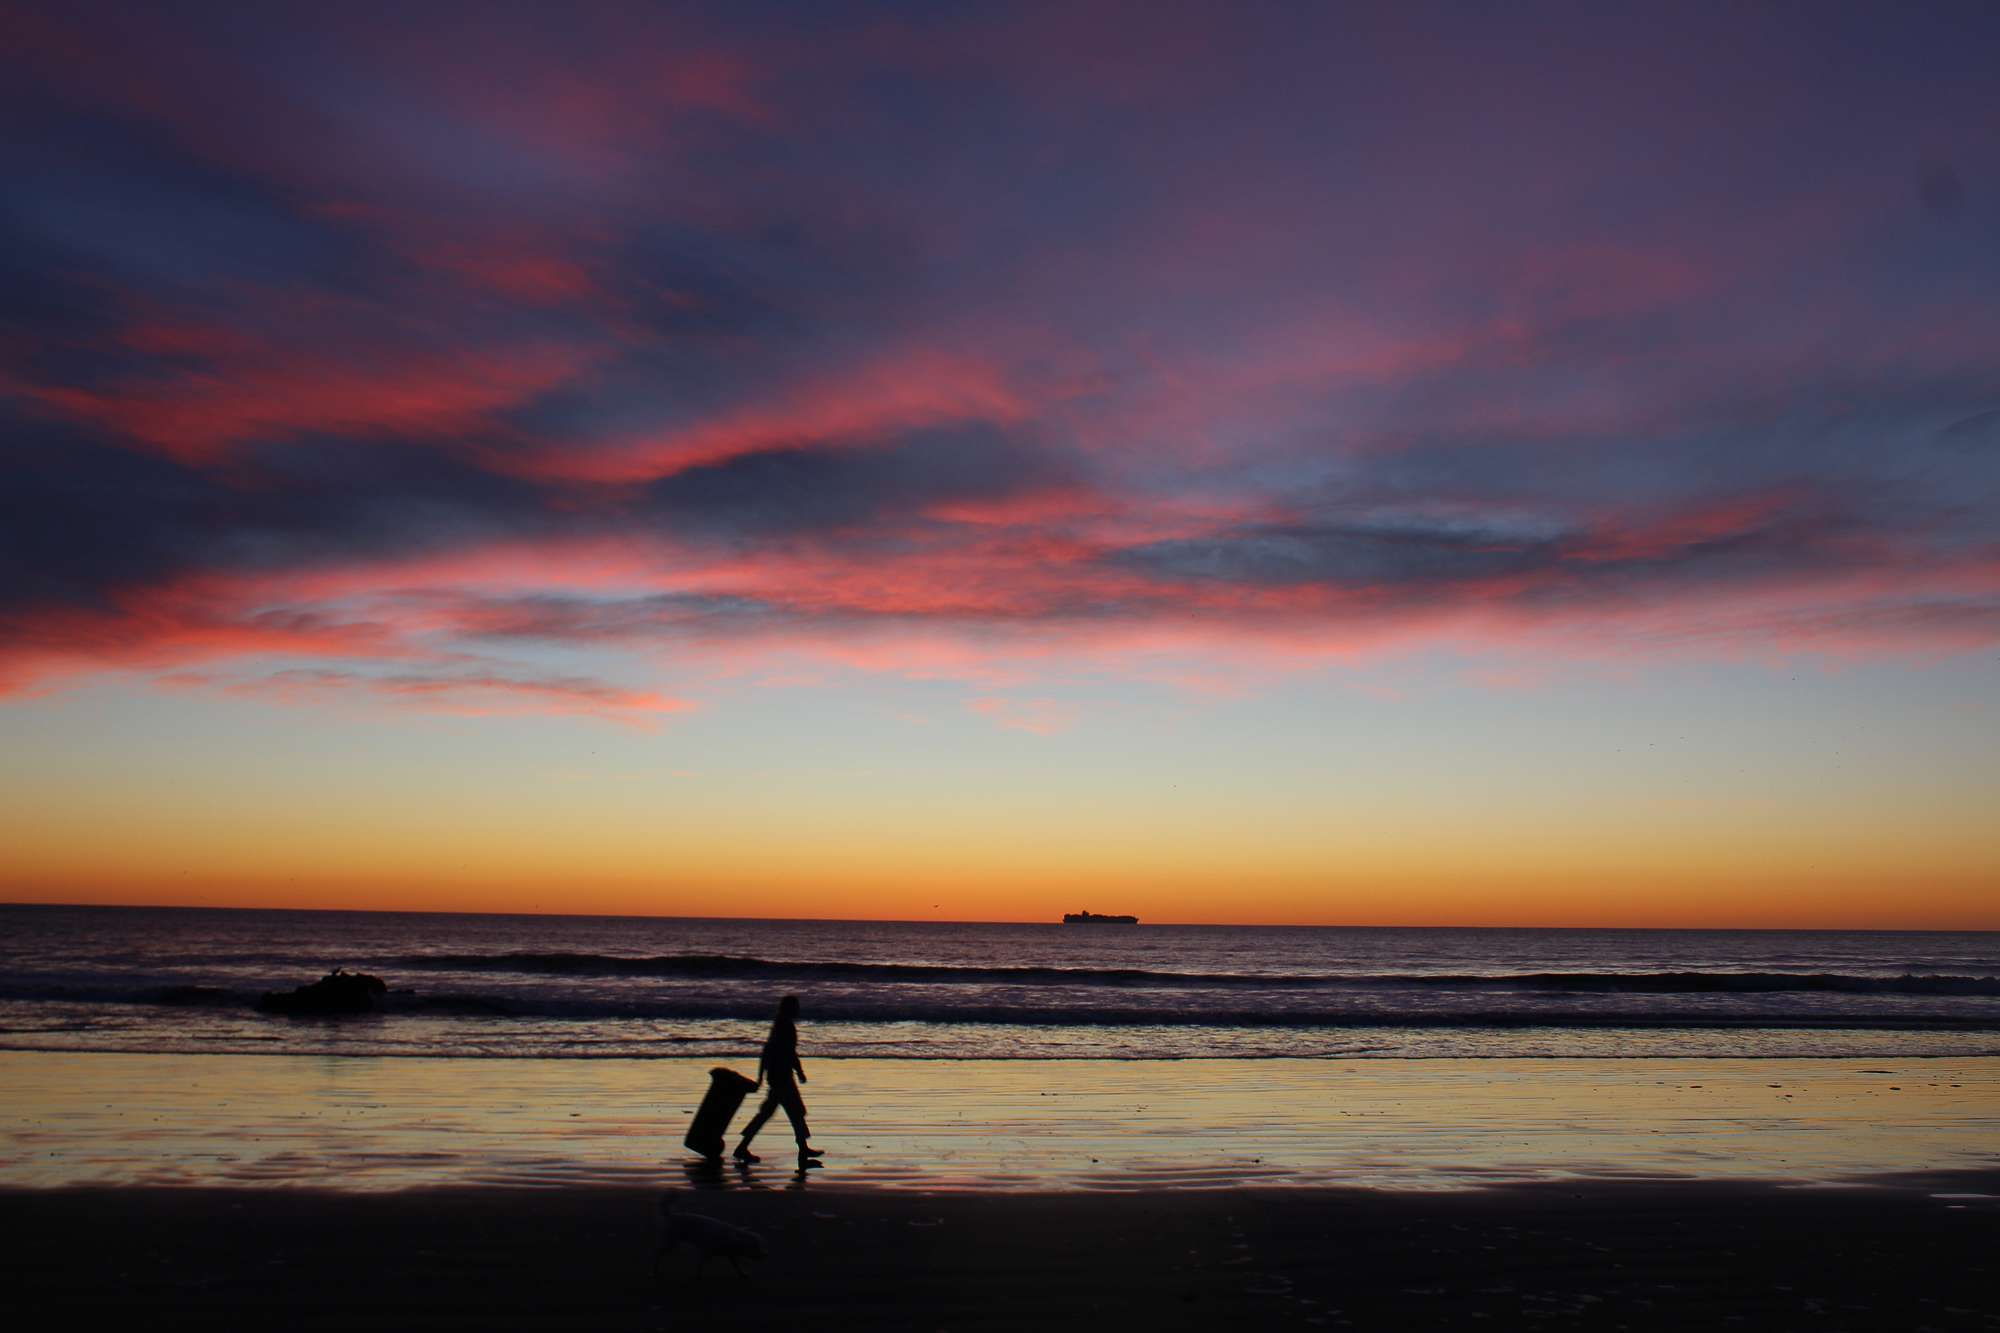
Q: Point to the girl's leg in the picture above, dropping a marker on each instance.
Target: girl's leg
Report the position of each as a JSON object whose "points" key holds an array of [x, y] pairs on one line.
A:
{"points": [[764, 1113], [795, 1111]]}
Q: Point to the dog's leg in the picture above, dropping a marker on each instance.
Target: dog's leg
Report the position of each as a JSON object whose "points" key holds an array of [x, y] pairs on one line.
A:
{"points": [[733, 1263]]}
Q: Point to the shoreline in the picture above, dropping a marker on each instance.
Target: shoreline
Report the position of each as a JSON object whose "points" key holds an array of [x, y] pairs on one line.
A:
{"points": [[1598, 1254], [747, 1053]]}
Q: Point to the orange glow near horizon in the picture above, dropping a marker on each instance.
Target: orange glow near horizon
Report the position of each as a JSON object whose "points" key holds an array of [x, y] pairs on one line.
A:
{"points": [[1206, 810], [1961, 907], [1381, 886]]}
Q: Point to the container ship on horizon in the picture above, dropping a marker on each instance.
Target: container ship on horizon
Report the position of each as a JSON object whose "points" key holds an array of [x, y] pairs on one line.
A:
{"points": [[1093, 919]]}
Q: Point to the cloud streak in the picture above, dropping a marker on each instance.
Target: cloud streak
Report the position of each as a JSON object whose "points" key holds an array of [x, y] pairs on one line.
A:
{"points": [[460, 693]]}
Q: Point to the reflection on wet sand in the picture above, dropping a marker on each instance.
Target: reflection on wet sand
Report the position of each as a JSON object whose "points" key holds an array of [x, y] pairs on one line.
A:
{"points": [[998, 1125]]}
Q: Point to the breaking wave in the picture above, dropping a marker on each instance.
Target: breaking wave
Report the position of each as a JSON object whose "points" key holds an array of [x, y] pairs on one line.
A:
{"points": [[730, 967]]}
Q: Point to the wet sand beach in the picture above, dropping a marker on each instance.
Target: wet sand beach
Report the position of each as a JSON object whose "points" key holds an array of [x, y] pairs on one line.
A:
{"points": [[371, 1123], [1582, 1255], [179, 1191]]}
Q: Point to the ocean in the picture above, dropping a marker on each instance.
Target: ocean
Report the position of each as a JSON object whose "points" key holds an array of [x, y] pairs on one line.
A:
{"points": [[186, 981]]}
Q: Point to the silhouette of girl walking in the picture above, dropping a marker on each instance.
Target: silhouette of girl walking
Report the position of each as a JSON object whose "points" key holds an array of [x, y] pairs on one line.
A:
{"points": [[776, 1067]]}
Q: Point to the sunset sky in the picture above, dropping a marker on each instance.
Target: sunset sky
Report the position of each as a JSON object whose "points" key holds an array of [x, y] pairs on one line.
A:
{"points": [[1376, 464]]}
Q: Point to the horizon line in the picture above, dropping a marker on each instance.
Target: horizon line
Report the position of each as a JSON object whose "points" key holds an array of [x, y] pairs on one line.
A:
{"points": [[1038, 921]]}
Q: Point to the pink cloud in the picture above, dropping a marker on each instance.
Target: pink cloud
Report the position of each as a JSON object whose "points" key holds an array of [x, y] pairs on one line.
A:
{"points": [[459, 694], [197, 415], [999, 615], [895, 393], [173, 626]]}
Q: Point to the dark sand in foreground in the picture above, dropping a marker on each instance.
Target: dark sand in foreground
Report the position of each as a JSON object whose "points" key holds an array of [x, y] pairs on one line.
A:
{"points": [[1598, 1255]]}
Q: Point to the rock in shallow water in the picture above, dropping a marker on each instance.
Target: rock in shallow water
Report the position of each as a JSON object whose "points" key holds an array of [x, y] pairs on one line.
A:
{"points": [[338, 992]]}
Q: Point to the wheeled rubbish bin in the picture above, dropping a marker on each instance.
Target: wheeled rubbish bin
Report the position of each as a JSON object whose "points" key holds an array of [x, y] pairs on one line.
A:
{"points": [[726, 1091]]}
